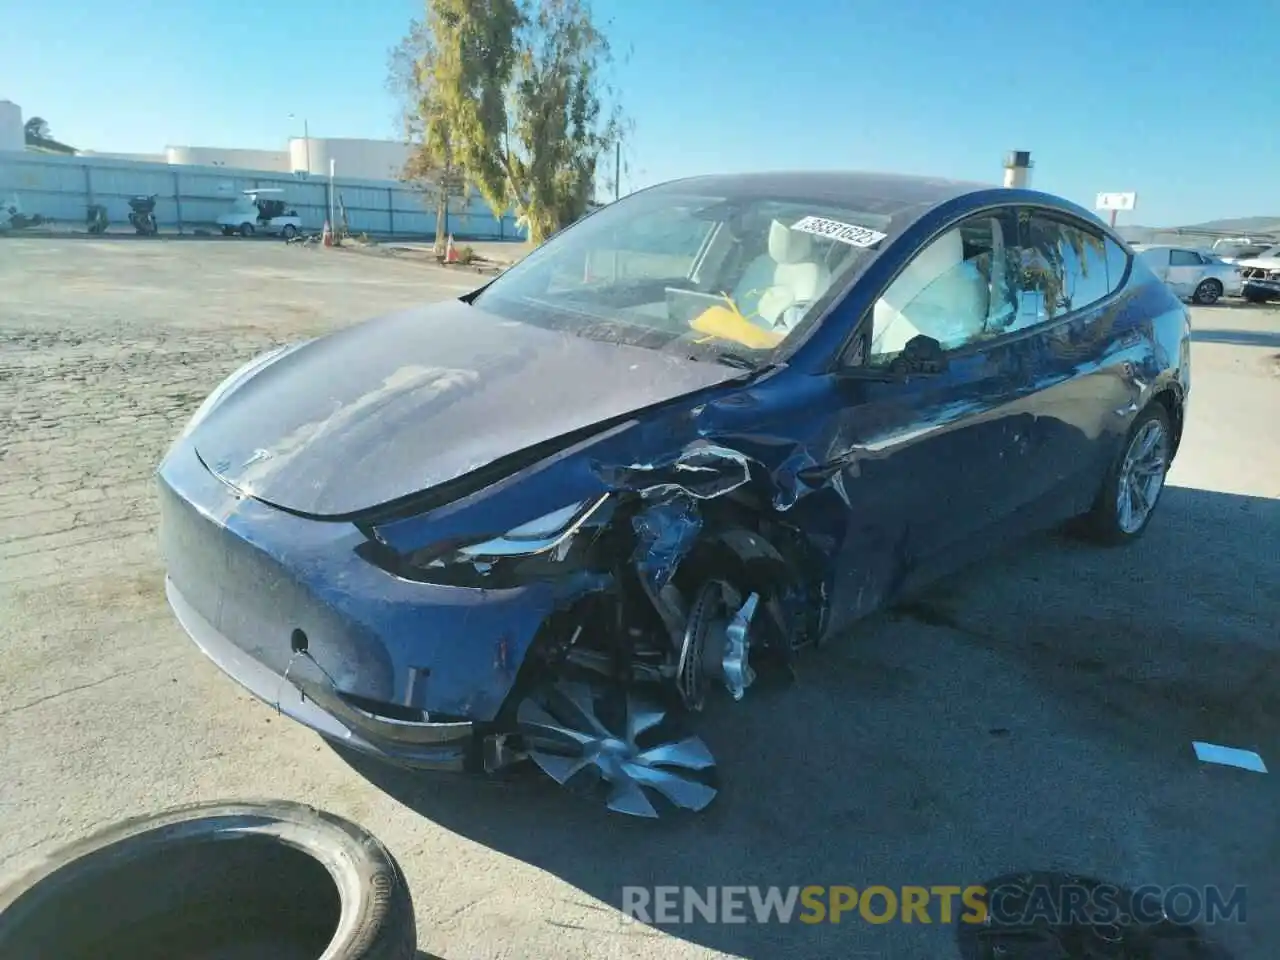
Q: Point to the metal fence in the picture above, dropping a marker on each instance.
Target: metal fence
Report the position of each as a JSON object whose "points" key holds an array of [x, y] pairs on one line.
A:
{"points": [[60, 188]]}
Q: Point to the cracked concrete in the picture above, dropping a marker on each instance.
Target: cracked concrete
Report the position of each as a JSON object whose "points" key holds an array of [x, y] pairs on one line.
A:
{"points": [[1041, 717]]}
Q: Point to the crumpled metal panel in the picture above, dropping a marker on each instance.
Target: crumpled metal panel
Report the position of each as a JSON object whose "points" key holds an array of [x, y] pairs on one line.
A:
{"points": [[664, 534]]}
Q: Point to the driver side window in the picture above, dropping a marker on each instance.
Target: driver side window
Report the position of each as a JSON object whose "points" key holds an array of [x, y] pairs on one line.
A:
{"points": [[956, 290]]}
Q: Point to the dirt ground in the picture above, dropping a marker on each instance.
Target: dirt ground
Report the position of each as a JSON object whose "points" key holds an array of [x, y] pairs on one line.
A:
{"points": [[1036, 712]]}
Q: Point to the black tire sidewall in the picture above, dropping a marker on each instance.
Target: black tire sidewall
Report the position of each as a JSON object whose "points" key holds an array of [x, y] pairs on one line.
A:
{"points": [[383, 928], [1208, 285]]}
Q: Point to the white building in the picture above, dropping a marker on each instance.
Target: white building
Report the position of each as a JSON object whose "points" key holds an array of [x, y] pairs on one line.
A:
{"points": [[273, 160], [361, 159], [12, 135], [352, 158], [357, 159]]}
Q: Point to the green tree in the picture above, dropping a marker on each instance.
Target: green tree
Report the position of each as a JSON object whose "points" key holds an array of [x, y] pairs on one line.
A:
{"points": [[411, 79], [37, 128], [518, 88]]}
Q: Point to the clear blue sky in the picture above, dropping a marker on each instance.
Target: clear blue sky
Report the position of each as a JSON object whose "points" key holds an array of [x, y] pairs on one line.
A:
{"points": [[1176, 100]]}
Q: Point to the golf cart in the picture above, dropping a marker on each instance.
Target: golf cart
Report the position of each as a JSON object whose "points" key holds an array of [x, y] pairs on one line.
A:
{"points": [[253, 213]]}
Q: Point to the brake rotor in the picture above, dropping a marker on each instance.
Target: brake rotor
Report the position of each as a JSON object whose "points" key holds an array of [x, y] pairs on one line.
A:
{"points": [[716, 644]]}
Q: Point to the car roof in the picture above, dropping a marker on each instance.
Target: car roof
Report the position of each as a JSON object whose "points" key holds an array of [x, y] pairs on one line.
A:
{"points": [[834, 186], [903, 199]]}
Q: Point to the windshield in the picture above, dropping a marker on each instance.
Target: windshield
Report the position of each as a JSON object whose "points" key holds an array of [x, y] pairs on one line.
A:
{"points": [[722, 277], [245, 204]]}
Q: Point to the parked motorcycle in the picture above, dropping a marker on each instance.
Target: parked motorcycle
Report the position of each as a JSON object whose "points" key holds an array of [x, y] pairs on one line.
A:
{"points": [[142, 215], [12, 217], [96, 218]]}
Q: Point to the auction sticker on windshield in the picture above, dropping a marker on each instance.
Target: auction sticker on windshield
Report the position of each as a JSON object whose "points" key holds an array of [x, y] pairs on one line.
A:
{"points": [[848, 233]]}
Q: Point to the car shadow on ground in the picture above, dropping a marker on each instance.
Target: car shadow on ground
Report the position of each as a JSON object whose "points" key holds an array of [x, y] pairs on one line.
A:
{"points": [[1001, 721], [1238, 338]]}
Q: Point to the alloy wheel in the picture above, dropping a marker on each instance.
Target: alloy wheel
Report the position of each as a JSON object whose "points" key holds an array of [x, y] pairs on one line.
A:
{"points": [[1142, 476]]}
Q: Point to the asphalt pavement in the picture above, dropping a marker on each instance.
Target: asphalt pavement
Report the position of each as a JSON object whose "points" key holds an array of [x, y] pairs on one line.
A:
{"points": [[1034, 712]]}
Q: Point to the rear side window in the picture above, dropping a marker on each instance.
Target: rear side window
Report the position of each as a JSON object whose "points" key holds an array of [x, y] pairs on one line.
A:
{"points": [[1155, 258], [1184, 258], [1064, 267], [1117, 264]]}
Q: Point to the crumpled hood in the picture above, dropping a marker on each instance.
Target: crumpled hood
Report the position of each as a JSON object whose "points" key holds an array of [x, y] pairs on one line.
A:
{"points": [[398, 405]]}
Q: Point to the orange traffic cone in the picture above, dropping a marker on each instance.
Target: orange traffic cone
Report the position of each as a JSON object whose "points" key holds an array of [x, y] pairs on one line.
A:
{"points": [[450, 253], [326, 235]]}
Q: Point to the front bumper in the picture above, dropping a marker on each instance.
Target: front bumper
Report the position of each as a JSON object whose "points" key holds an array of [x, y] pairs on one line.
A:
{"points": [[1254, 285], [247, 580], [306, 694]]}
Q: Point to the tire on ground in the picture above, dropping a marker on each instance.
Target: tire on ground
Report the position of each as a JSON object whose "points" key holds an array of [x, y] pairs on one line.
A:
{"points": [[1209, 291], [268, 878], [1102, 524]]}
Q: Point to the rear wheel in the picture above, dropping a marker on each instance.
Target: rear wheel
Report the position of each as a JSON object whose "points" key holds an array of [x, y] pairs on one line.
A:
{"points": [[1209, 292], [1134, 482], [246, 229], [289, 231]]}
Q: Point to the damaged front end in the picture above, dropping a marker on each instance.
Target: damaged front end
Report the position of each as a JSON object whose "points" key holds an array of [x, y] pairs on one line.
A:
{"points": [[686, 581]]}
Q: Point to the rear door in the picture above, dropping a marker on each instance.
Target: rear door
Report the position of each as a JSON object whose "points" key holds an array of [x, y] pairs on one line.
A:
{"points": [[1075, 342], [1157, 258]]}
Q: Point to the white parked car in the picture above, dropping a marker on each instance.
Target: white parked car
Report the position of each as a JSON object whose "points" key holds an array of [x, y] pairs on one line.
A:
{"points": [[254, 213], [1192, 274]]}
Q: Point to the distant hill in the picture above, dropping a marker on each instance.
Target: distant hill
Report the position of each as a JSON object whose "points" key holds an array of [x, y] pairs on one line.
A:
{"points": [[1201, 234], [1239, 225]]}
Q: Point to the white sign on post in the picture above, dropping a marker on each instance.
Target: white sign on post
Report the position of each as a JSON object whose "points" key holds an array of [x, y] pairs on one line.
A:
{"points": [[1116, 201]]}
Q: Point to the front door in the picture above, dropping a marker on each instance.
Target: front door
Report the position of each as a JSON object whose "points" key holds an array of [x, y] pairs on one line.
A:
{"points": [[932, 464]]}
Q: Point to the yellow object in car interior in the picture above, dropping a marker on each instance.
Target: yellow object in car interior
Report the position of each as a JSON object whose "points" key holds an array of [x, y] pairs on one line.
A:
{"points": [[728, 324]]}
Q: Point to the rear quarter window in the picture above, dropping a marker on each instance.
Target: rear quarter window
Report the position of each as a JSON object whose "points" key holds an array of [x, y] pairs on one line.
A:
{"points": [[1117, 265]]}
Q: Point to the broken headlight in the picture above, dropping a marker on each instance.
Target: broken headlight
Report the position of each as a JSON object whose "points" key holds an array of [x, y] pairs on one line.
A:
{"points": [[548, 534]]}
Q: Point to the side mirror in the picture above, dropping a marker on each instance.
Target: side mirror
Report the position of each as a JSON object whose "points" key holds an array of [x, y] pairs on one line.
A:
{"points": [[920, 355]]}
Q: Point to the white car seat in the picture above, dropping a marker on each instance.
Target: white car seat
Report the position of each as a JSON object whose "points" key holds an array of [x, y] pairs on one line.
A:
{"points": [[932, 285], [787, 277]]}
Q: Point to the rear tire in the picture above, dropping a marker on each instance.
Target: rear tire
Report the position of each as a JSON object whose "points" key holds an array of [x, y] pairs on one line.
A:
{"points": [[1208, 293], [246, 229], [1138, 477], [224, 879], [289, 231]]}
